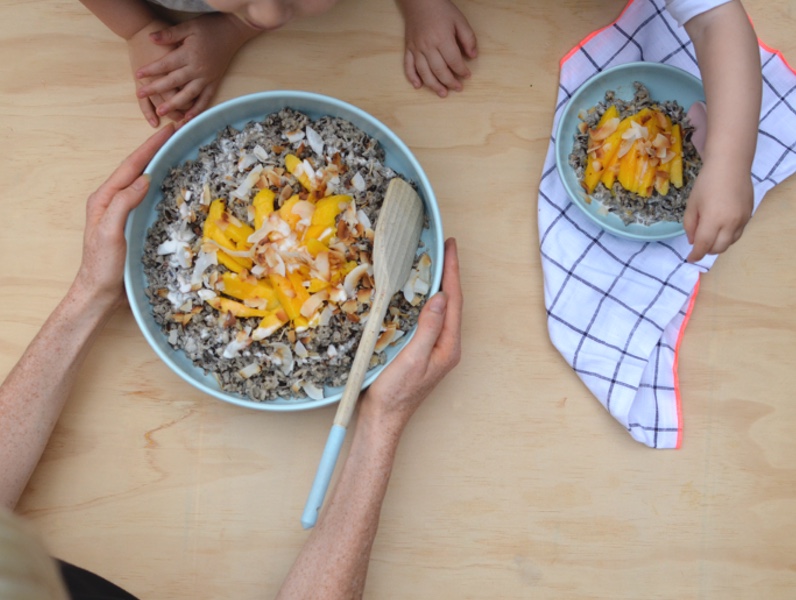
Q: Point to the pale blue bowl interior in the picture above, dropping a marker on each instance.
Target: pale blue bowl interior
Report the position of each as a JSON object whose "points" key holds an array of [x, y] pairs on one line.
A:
{"points": [[664, 82], [184, 145]]}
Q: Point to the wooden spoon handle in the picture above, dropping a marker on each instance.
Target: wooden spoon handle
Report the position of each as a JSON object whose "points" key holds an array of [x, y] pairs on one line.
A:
{"points": [[362, 357]]}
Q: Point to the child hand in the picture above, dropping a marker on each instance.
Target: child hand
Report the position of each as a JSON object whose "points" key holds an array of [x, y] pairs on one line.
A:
{"points": [[718, 209], [438, 40], [188, 75], [142, 52]]}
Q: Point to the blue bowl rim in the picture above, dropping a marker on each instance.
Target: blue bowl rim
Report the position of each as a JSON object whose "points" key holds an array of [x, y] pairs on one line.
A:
{"points": [[286, 97]]}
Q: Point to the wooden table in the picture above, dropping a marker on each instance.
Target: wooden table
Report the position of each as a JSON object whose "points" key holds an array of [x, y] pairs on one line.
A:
{"points": [[512, 481]]}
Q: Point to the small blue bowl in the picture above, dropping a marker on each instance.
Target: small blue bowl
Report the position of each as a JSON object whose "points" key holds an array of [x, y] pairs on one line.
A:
{"points": [[184, 145], [664, 82]]}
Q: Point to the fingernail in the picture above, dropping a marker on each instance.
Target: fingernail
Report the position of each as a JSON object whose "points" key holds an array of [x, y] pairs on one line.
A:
{"points": [[141, 183], [153, 121], [155, 36], [438, 303]]}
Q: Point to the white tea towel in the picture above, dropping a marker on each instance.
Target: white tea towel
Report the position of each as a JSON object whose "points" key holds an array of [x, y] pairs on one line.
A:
{"points": [[617, 309]]}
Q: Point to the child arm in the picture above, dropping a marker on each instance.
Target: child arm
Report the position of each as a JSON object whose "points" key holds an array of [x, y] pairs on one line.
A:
{"points": [[439, 40], [722, 198]]}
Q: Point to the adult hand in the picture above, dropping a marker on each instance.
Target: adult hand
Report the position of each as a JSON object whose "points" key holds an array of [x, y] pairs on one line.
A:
{"points": [[438, 41], [200, 51], [104, 246], [434, 350], [719, 207]]}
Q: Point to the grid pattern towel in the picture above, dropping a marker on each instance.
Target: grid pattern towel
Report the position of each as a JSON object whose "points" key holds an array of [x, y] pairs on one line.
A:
{"points": [[617, 309]]}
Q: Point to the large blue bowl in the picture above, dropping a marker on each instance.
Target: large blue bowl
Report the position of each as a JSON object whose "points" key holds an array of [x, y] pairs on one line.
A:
{"points": [[664, 82], [184, 145]]}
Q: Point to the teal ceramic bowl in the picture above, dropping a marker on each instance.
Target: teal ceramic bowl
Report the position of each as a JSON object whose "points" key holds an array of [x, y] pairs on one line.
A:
{"points": [[184, 145], [664, 83]]}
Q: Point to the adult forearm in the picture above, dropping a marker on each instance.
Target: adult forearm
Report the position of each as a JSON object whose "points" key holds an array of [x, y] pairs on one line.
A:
{"points": [[34, 393], [333, 563], [729, 61], [125, 18]]}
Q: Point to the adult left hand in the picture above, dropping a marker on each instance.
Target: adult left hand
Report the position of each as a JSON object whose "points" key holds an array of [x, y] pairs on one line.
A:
{"points": [[104, 247]]}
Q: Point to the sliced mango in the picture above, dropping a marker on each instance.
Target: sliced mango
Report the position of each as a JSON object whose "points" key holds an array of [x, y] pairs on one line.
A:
{"points": [[676, 167], [236, 308], [249, 288], [263, 206], [292, 163], [327, 209]]}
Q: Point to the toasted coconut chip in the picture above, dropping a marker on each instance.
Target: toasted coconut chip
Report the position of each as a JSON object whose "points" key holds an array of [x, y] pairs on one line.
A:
{"points": [[249, 370], [243, 190], [604, 130], [625, 146], [313, 391], [300, 349], [283, 357], [314, 140], [352, 279], [386, 338], [358, 182], [294, 136], [350, 306], [313, 303]]}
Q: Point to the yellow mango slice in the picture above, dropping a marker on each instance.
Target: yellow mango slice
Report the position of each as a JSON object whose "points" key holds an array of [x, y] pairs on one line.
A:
{"points": [[286, 295], [235, 308], [611, 165], [292, 163], [314, 246], [229, 262], [286, 211], [234, 229], [595, 162], [676, 167], [318, 232], [263, 206], [316, 285], [627, 168], [270, 323], [249, 288], [327, 209]]}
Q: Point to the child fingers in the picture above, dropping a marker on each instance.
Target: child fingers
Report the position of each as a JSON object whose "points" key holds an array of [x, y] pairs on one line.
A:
{"points": [[454, 60], [163, 66], [148, 111], [411, 70], [200, 104], [428, 77], [173, 81], [467, 40], [443, 73], [170, 35], [182, 100]]}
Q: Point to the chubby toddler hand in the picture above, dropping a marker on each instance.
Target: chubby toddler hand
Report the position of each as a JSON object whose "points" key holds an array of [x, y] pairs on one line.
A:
{"points": [[719, 207], [189, 74], [439, 40]]}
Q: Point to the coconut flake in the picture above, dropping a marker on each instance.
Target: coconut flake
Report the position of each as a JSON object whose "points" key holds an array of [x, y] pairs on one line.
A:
{"points": [[249, 370], [315, 140], [312, 390]]}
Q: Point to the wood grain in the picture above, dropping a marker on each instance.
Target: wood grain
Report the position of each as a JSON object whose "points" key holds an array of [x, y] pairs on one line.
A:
{"points": [[512, 481]]}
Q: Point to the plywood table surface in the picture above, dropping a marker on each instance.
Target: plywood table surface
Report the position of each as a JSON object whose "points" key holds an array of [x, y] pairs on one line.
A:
{"points": [[511, 481]]}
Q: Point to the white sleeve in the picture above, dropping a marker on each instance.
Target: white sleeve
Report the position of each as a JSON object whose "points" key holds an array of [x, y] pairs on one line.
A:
{"points": [[685, 10]]}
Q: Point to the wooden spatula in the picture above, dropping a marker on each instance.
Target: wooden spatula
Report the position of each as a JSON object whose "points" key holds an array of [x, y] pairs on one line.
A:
{"points": [[394, 247]]}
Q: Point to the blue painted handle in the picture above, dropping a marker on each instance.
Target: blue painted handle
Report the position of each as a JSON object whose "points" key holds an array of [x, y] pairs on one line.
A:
{"points": [[323, 476]]}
